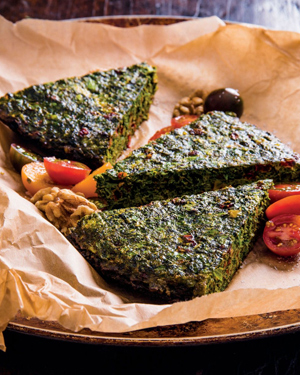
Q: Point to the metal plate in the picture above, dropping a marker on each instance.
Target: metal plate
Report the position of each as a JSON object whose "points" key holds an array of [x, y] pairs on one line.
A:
{"points": [[192, 333]]}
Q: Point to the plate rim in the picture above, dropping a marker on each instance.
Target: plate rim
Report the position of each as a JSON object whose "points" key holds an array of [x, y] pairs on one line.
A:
{"points": [[52, 330]]}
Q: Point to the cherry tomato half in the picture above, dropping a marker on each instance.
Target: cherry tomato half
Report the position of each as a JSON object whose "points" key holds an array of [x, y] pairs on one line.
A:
{"points": [[35, 177], [284, 190], [282, 235], [287, 205], [66, 172], [176, 122], [160, 132]]}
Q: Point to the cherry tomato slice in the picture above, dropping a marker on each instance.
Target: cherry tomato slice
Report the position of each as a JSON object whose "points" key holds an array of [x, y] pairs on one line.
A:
{"points": [[66, 172], [282, 235], [160, 132], [176, 122], [287, 205], [35, 177], [284, 190]]}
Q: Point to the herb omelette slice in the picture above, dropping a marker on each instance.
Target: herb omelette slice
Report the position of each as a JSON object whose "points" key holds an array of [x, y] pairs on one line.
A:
{"points": [[214, 151], [89, 119], [179, 248]]}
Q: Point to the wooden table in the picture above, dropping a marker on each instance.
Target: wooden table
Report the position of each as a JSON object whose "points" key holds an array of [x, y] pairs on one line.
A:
{"points": [[33, 355], [277, 14]]}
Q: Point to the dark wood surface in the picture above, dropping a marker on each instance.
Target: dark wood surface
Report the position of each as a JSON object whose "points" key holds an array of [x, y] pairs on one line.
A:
{"points": [[33, 355], [277, 14]]}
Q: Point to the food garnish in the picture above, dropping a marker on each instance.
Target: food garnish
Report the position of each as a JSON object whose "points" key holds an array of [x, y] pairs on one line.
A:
{"points": [[176, 122], [284, 190], [66, 172], [226, 100], [190, 105], [282, 234], [287, 205], [88, 185], [35, 177], [20, 156], [62, 207]]}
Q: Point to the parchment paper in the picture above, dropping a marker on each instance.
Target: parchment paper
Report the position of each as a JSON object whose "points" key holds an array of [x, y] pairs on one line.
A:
{"points": [[41, 274]]}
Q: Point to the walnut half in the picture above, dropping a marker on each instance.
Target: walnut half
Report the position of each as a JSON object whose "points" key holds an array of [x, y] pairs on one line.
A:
{"points": [[62, 207]]}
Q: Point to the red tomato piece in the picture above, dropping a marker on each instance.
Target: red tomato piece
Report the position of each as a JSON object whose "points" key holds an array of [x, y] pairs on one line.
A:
{"points": [[176, 122], [287, 205], [160, 132], [284, 190], [282, 235], [66, 172]]}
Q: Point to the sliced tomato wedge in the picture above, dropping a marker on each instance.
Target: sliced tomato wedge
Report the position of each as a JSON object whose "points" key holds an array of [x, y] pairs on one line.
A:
{"points": [[66, 172], [35, 177], [176, 122], [287, 205], [282, 235], [284, 190], [160, 132]]}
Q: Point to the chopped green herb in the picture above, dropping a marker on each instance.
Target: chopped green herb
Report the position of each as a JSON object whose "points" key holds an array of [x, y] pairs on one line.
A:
{"points": [[89, 119], [229, 152], [179, 248]]}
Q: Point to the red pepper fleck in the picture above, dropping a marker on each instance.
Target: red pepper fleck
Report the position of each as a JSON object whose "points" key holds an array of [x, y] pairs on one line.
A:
{"points": [[289, 163], [196, 131], [53, 97], [250, 175], [183, 250], [83, 132], [122, 175], [108, 116], [226, 205], [190, 238], [234, 136], [263, 168], [128, 141]]}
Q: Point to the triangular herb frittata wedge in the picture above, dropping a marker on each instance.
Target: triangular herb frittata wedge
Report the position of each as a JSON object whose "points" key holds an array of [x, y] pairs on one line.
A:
{"points": [[179, 248], [214, 151], [89, 118]]}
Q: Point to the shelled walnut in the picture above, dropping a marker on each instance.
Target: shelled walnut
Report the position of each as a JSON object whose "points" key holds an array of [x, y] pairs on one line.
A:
{"points": [[190, 105], [62, 207]]}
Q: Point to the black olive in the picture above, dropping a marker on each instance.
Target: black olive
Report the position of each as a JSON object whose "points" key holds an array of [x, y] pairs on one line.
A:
{"points": [[225, 100]]}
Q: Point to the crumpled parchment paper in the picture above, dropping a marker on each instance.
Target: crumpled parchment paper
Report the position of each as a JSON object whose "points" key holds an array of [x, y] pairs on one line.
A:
{"points": [[41, 274]]}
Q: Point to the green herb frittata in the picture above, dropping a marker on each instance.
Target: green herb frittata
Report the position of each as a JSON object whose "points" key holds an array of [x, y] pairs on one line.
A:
{"points": [[214, 151], [179, 248], [89, 119]]}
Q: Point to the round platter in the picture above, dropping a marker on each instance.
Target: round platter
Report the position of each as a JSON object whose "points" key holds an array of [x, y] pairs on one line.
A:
{"points": [[192, 333]]}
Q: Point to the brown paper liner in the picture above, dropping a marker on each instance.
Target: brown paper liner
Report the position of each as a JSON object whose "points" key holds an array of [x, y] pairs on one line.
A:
{"points": [[41, 274]]}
